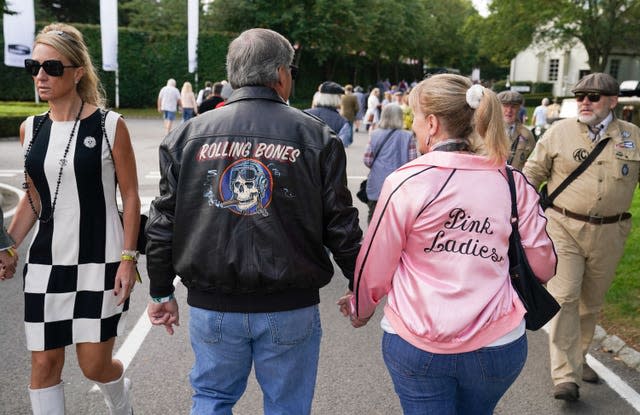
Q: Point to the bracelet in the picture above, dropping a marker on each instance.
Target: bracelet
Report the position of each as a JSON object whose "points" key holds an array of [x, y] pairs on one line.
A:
{"points": [[124, 257], [129, 255], [10, 251], [160, 300]]}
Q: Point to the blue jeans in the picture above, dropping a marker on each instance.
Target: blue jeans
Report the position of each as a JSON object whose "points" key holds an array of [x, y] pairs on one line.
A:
{"points": [[187, 114], [284, 347], [447, 384]]}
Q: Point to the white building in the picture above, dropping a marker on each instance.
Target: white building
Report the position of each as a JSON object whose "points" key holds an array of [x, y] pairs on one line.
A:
{"points": [[564, 68]]}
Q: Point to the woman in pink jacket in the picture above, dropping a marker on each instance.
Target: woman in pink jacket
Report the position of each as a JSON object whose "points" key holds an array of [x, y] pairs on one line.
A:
{"points": [[454, 334]]}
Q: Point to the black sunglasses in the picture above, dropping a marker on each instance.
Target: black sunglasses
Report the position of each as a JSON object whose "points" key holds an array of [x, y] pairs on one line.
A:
{"points": [[51, 67], [294, 72], [593, 97]]}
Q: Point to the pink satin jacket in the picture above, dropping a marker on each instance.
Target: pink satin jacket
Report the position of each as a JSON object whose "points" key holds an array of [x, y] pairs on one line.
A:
{"points": [[437, 248]]}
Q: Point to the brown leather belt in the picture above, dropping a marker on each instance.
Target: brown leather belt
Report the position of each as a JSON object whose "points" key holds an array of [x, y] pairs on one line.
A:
{"points": [[596, 220]]}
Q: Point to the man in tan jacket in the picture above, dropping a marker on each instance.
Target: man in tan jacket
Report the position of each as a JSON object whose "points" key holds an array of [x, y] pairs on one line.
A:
{"points": [[521, 139], [588, 221]]}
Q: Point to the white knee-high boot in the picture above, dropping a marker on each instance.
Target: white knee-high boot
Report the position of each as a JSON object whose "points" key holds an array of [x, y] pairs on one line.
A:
{"points": [[47, 401], [117, 395]]}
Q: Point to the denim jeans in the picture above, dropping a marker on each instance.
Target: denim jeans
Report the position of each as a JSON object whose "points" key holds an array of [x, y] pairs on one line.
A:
{"points": [[446, 384], [283, 346]]}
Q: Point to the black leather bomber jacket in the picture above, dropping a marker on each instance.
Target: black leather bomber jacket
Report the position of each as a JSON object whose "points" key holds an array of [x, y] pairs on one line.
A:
{"points": [[250, 196]]}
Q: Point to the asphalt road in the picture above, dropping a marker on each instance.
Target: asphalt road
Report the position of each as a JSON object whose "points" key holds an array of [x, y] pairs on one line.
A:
{"points": [[352, 378]]}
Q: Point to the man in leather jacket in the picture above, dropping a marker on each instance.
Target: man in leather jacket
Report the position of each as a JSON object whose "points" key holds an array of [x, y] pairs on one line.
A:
{"points": [[250, 196]]}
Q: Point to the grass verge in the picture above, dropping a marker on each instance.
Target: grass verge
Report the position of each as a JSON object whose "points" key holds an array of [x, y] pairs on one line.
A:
{"points": [[621, 313]]}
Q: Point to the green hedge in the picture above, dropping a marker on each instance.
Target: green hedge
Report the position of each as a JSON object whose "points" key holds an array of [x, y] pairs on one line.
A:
{"points": [[146, 61], [10, 126]]}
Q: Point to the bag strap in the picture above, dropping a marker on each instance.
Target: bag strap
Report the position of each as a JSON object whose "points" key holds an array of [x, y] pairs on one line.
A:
{"points": [[514, 147], [580, 169], [514, 206], [375, 155]]}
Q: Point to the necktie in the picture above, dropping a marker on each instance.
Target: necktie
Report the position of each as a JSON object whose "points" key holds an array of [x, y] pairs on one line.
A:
{"points": [[595, 131]]}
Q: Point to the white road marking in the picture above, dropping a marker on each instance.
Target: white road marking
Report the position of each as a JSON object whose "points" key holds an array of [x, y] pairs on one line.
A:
{"points": [[9, 172], [19, 192], [614, 381]]}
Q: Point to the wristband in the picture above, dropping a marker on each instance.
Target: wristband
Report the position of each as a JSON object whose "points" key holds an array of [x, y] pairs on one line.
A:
{"points": [[10, 251], [127, 258], [160, 300]]}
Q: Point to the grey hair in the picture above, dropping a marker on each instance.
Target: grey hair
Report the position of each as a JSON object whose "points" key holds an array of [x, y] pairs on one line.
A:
{"points": [[327, 100], [255, 56], [391, 117]]}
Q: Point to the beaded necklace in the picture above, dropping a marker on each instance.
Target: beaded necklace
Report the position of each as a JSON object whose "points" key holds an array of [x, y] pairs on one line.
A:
{"points": [[62, 162]]}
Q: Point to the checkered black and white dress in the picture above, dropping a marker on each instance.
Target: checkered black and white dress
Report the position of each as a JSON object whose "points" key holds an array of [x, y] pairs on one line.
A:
{"points": [[73, 258]]}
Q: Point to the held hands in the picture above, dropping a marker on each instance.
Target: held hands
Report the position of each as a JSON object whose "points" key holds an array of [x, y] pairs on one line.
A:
{"points": [[164, 314], [8, 263], [344, 305]]}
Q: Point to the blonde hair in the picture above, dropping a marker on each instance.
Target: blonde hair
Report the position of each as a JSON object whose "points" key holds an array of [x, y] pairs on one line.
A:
{"points": [[445, 96], [68, 41], [186, 87]]}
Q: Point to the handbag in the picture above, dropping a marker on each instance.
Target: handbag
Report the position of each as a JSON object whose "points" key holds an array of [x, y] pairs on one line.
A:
{"points": [[362, 193], [546, 199], [540, 305], [141, 243]]}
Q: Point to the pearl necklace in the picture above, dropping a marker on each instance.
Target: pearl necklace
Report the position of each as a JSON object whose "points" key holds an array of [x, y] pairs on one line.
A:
{"points": [[62, 162]]}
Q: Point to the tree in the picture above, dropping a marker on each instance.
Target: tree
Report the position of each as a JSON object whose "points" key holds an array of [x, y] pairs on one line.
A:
{"points": [[68, 11], [602, 26], [153, 15]]}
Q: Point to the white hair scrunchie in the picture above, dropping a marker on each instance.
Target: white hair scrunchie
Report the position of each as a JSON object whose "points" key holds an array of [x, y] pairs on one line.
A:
{"points": [[474, 95]]}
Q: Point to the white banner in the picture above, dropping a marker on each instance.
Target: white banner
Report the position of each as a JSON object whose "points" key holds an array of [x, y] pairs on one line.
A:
{"points": [[19, 32], [109, 32], [192, 34]]}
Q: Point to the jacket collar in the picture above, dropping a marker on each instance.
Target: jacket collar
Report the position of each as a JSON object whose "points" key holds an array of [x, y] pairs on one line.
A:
{"points": [[254, 92], [455, 160]]}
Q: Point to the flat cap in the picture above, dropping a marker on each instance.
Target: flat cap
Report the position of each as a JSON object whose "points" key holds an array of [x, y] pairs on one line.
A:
{"points": [[602, 83], [330, 87], [510, 97]]}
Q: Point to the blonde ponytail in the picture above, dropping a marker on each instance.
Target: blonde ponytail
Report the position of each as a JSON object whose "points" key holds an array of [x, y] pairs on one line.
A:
{"points": [[489, 125]]}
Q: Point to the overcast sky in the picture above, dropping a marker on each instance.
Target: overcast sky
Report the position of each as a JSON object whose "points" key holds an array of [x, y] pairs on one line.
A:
{"points": [[481, 6]]}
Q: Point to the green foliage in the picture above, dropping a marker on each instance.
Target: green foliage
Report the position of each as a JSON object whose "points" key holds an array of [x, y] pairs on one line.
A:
{"points": [[622, 307], [601, 26], [85, 11], [146, 61]]}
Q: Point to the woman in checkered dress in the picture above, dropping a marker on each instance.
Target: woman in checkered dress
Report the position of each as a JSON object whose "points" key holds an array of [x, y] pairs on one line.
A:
{"points": [[77, 282]]}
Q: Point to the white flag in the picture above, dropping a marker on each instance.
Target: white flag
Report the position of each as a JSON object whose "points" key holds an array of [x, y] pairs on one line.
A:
{"points": [[109, 32], [192, 34], [19, 32]]}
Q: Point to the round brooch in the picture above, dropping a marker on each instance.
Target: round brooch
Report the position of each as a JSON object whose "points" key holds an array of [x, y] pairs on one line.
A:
{"points": [[89, 142]]}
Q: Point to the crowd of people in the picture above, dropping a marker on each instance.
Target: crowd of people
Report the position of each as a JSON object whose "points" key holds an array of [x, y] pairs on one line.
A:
{"points": [[277, 210], [171, 100]]}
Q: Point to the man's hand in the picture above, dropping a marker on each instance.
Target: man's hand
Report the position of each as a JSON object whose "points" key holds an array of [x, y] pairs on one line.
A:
{"points": [[164, 314], [344, 303], [8, 263]]}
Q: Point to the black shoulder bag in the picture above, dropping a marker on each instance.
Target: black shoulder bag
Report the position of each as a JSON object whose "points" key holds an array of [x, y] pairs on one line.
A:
{"points": [[540, 305], [362, 193], [141, 244], [546, 199]]}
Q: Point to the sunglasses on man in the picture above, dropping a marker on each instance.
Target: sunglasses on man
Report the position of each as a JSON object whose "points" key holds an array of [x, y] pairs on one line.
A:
{"points": [[51, 67], [592, 96]]}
